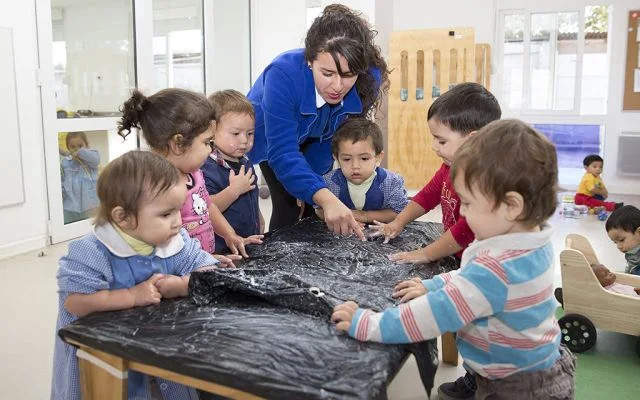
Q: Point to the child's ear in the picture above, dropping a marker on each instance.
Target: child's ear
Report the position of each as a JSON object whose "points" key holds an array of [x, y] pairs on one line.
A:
{"points": [[515, 205], [379, 158], [471, 133], [176, 143], [121, 218]]}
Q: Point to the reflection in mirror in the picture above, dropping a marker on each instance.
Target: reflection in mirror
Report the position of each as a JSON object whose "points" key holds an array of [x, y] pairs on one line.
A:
{"points": [[79, 167], [93, 56]]}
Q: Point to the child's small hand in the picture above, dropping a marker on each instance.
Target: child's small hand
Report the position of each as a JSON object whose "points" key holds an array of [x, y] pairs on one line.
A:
{"points": [[389, 231], [343, 314], [242, 182], [171, 286], [235, 243], [410, 257], [145, 293], [227, 261], [409, 290]]}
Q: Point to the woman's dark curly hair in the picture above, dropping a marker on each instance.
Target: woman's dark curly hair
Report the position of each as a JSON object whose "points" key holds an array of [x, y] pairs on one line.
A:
{"points": [[341, 31]]}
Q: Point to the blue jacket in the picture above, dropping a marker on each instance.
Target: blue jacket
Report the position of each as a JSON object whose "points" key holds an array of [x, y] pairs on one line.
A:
{"points": [[284, 101], [79, 181], [244, 213]]}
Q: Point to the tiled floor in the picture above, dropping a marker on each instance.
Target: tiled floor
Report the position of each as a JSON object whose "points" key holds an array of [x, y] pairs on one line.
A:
{"points": [[28, 303]]}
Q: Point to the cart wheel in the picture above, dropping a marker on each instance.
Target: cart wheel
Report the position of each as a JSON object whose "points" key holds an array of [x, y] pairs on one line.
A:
{"points": [[578, 333]]}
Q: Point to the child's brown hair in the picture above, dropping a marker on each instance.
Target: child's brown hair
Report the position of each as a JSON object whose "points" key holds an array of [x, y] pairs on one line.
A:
{"points": [[356, 129], [73, 135], [226, 101], [510, 156], [165, 114], [126, 181]]}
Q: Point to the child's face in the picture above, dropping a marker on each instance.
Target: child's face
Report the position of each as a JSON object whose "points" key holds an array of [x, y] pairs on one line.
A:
{"points": [[595, 168], [75, 144], [445, 141], [605, 277], [234, 135], [624, 240], [358, 160], [192, 158], [483, 219], [158, 219]]}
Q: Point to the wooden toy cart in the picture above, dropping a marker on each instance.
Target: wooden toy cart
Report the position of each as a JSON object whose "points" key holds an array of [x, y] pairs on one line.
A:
{"points": [[587, 304]]}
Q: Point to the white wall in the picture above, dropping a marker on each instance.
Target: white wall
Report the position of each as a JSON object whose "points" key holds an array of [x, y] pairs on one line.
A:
{"points": [[23, 227], [421, 14]]}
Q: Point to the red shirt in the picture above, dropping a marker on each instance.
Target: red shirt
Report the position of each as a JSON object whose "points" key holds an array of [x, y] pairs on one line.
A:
{"points": [[440, 190]]}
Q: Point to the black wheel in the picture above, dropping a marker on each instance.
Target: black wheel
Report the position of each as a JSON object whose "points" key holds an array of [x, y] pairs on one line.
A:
{"points": [[578, 333], [558, 294]]}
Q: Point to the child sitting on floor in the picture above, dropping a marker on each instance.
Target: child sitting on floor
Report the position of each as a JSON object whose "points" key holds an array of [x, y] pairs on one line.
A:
{"points": [[608, 281], [592, 192], [370, 191], [136, 255], [500, 301], [227, 172], [623, 227]]}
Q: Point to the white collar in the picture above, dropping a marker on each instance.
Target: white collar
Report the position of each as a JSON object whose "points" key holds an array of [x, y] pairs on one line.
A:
{"points": [[319, 100], [510, 241], [108, 236]]}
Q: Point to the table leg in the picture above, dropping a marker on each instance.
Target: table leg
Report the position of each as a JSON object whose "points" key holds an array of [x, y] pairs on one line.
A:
{"points": [[449, 349], [102, 376]]}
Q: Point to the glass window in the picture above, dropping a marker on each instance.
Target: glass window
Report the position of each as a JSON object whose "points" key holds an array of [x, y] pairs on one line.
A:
{"points": [[595, 64], [82, 156], [93, 56], [512, 60], [178, 44], [573, 144]]}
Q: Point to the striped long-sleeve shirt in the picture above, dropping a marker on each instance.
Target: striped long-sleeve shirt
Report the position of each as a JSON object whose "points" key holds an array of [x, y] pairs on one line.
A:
{"points": [[500, 302]]}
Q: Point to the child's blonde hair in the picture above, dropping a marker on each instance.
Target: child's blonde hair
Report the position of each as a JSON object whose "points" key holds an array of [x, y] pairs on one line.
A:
{"points": [[130, 179], [226, 101], [510, 156]]}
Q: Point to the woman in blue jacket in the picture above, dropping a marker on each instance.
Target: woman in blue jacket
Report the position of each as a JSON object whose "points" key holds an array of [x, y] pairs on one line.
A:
{"points": [[300, 99]]}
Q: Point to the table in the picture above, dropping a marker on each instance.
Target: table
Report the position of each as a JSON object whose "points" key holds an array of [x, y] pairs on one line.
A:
{"points": [[246, 346]]}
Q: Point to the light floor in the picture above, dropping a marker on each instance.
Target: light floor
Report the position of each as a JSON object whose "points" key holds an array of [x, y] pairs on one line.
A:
{"points": [[28, 303]]}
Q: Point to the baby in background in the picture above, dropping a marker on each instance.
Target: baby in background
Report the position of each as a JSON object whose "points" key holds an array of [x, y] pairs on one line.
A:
{"points": [[79, 169], [623, 228], [370, 191], [592, 192], [608, 281], [136, 255], [228, 173]]}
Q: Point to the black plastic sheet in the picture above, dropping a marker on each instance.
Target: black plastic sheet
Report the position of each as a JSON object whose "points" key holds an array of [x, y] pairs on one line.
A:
{"points": [[262, 330]]}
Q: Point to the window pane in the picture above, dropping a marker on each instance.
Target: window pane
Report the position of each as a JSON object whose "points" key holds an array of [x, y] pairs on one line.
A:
{"points": [[573, 143], [513, 60], [177, 44], [553, 61], [93, 56], [595, 65]]}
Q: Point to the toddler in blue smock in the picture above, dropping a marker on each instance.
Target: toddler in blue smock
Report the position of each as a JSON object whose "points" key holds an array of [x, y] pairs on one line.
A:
{"points": [[79, 170], [136, 255]]}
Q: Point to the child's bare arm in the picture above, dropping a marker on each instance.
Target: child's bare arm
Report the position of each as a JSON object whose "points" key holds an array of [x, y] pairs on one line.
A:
{"points": [[142, 294], [172, 286], [368, 217], [224, 229], [239, 184], [444, 246]]}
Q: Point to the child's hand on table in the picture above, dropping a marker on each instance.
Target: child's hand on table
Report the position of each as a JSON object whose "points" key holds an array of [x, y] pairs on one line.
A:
{"points": [[389, 231], [408, 290], [253, 239], [227, 261], [410, 257], [171, 286], [145, 293], [343, 314]]}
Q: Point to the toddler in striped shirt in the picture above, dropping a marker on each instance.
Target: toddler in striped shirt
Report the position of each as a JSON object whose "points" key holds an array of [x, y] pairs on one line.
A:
{"points": [[501, 300]]}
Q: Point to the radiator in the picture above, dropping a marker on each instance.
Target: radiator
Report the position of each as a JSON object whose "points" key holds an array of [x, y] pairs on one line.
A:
{"points": [[629, 153]]}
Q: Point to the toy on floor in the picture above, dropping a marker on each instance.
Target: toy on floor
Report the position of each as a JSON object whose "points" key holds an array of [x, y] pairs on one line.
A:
{"points": [[587, 304], [602, 215], [574, 211]]}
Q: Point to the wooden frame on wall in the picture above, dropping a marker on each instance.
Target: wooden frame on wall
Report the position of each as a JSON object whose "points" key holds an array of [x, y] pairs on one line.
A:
{"points": [[631, 100]]}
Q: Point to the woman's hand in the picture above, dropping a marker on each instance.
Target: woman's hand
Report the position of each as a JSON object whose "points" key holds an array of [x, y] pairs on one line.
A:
{"points": [[408, 290], [339, 219]]}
